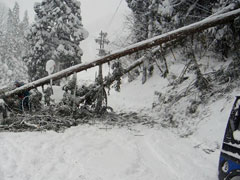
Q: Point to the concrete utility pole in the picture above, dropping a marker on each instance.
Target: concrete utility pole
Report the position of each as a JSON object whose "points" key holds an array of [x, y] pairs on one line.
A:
{"points": [[101, 40]]}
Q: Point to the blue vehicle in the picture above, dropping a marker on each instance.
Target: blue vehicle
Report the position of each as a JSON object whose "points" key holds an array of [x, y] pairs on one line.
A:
{"points": [[229, 163]]}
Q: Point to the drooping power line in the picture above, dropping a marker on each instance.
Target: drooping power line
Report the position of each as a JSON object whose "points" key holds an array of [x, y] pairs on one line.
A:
{"points": [[110, 22]]}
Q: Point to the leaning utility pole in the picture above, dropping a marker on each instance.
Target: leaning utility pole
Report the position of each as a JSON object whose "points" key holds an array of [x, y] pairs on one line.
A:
{"points": [[101, 40]]}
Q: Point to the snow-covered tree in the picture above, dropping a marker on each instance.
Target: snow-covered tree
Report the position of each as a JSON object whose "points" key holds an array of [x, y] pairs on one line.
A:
{"points": [[3, 20], [155, 17], [15, 16], [55, 35], [24, 25], [11, 48], [12, 38], [3, 16]]}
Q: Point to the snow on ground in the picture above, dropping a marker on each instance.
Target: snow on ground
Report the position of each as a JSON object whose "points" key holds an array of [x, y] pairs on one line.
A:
{"points": [[136, 96], [92, 153], [101, 152]]}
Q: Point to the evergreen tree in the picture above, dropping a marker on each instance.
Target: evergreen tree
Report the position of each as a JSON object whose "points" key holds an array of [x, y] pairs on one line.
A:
{"points": [[13, 34], [155, 17], [225, 38], [140, 15], [9, 26], [3, 20], [56, 35], [15, 16], [24, 26], [12, 65], [3, 16]]}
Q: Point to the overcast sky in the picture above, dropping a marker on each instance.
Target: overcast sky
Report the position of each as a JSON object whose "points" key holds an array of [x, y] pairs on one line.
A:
{"points": [[97, 15]]}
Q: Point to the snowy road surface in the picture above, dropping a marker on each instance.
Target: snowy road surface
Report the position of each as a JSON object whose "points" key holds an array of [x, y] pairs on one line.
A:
{"points": [[95, 153], [99, 153]]}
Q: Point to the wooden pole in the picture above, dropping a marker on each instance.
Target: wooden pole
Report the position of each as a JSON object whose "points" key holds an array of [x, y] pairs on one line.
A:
{"points": [[158, 40]]}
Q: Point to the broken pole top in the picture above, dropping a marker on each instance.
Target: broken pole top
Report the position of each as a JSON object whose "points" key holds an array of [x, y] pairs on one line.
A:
{"points": [[158, 40]]}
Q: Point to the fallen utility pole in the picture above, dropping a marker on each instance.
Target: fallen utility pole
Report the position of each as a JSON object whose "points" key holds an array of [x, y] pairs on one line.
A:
{"points": [[158, 40]]}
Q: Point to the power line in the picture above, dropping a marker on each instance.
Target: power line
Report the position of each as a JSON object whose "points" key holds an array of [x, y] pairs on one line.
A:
{"points": [[200, 7], [110, 22]]}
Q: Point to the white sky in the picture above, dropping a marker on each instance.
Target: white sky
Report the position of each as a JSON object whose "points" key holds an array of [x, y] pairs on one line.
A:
{"points": [[96, 16]]}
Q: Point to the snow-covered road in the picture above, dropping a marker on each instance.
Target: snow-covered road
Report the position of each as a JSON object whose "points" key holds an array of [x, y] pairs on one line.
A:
{"points": [[110, 153], [95, 153]]}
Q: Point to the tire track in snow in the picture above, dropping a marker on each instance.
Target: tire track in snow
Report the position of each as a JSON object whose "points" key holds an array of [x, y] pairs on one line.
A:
{"points": [[154, 161]]}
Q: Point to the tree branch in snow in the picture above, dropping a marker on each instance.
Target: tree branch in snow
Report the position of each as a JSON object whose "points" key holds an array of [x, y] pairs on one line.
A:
{"points": [[226, 9]]}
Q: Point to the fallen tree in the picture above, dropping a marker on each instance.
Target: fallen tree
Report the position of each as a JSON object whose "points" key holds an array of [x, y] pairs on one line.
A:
{"points": [[109, 80], [158, 40]]}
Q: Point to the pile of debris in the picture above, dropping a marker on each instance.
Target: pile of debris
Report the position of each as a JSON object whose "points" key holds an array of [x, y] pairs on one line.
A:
{"points": [[34, 111], [53, 119]]}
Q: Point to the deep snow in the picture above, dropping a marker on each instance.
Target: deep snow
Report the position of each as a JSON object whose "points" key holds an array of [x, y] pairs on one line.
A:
{"points": [[91, 153], [101, 152]]}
